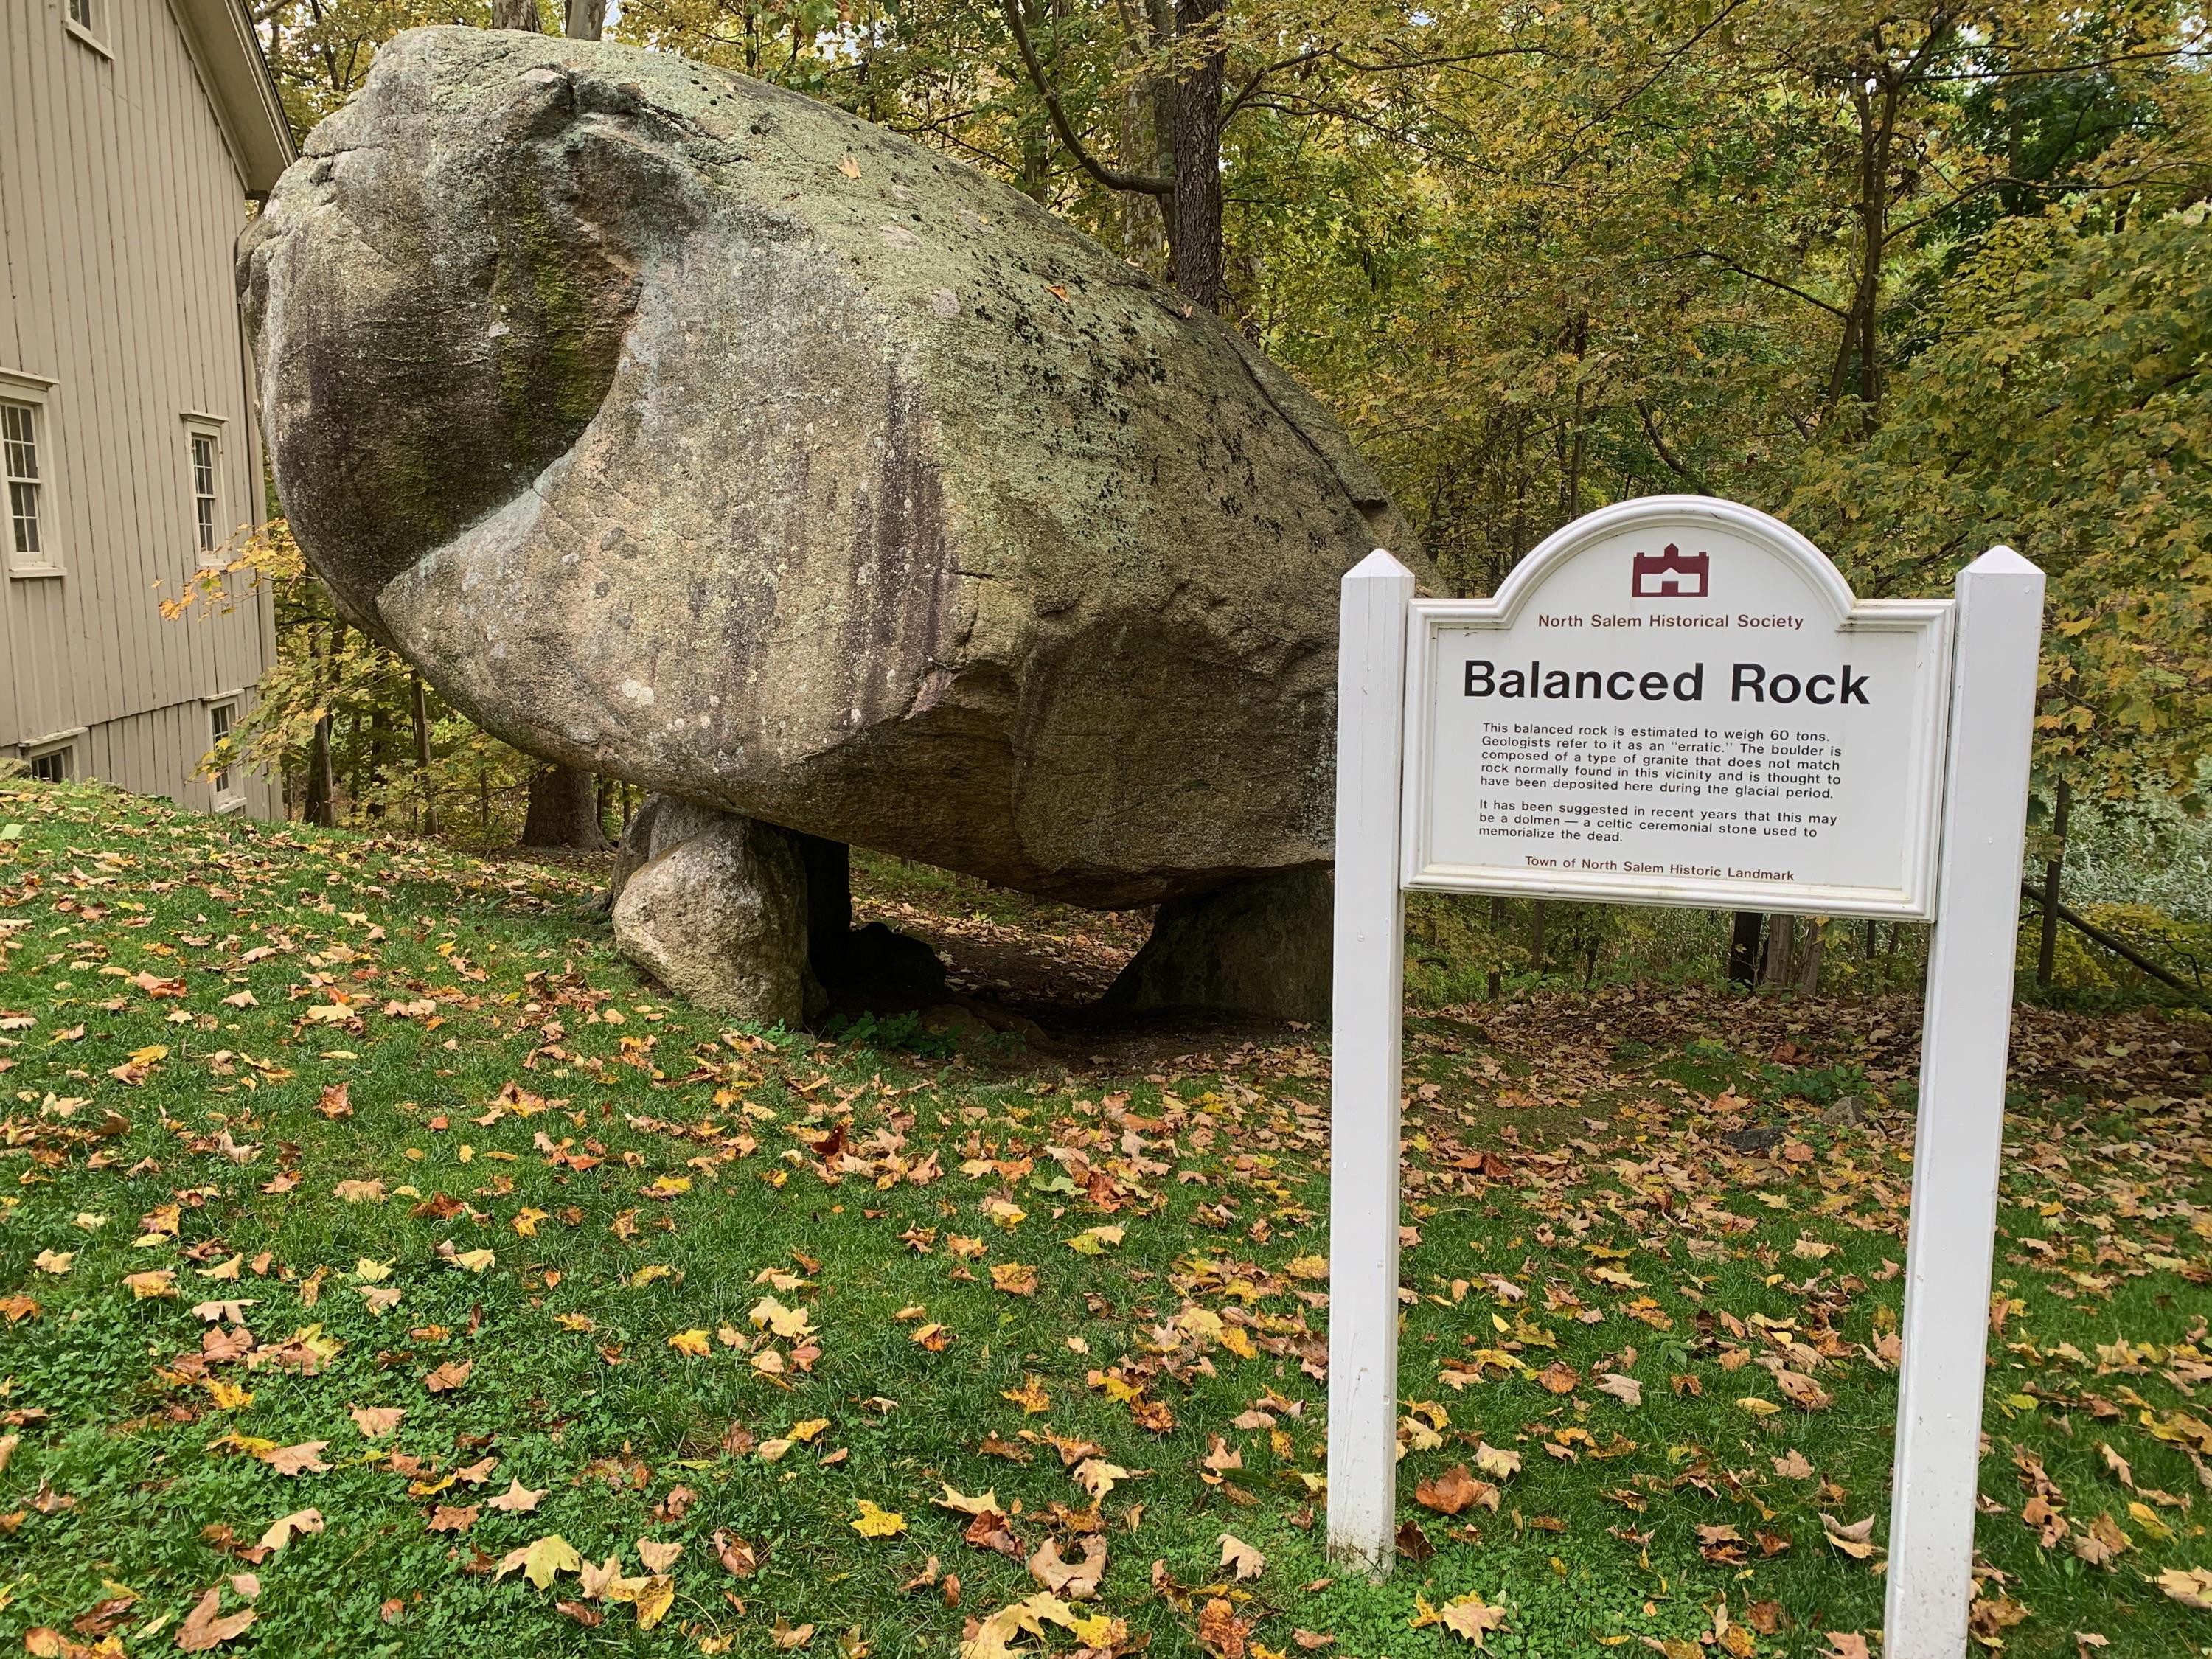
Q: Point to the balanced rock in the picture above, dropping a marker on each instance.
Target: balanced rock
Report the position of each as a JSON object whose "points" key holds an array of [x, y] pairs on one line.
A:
{"points": [[692, 432]]}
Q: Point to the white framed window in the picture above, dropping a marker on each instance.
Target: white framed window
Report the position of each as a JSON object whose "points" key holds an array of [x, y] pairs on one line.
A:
{"points": [[29, 537], [221, 717], [204, 488], [86, 20]]}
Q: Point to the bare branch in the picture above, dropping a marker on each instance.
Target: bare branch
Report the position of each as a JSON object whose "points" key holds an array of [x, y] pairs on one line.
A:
{"points": [[1141, 182], [1727, 263]]}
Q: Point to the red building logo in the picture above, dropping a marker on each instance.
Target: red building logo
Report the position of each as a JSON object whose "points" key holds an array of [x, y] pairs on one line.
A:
{"points": [[1672, 574]]}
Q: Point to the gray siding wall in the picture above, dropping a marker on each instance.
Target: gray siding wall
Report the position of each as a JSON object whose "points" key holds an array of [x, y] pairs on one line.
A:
{"points": [[119, 205]]}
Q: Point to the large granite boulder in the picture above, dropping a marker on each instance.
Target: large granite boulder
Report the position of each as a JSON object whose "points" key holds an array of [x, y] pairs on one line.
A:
{"points": [[690, 431]]}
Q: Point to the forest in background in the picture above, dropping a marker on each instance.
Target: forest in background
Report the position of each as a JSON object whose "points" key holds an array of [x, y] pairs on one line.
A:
{"points": [[1917, 279]]}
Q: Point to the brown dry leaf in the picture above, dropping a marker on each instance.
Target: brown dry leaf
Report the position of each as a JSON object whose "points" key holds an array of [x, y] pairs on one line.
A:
{"points": [[477, 1473], [2190, 1586], [740, 1559], [1558, 1377], [1221, 1632], [447, 1517], [1846, 1644], [284, 1528], [1097, 1477], [1453, 1490], [1626, 1389], [449, 1376], [1467, 1615], [961, 1503], [1854, 1541], [658, 1555], [518, 1499], [1240, 1558], [202, 1630], [1498, 1465], [1077, 1580], [786, 1635], [1793, 1466], [306, 1458], [1802, 1391], [1015, 1279], [375, 1422]]}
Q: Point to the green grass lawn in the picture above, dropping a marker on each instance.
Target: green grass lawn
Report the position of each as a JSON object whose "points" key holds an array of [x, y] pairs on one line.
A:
{"points": [[350, 1176]]}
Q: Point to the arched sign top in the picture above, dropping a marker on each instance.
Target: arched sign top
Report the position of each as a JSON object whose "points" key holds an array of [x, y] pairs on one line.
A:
{"points": [[1678, 701], [1669, 546]]}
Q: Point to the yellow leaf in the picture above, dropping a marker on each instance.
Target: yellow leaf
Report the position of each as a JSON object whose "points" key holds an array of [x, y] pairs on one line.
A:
{"points": [[654, 1598], [805, 1432], [1757, 1407], [875, 1522], [693, 1342], [541, 1561], [1030, 1396]]}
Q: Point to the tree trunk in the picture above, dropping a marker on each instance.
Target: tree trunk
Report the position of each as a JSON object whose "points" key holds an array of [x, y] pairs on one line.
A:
{"points": [[1781, 938], [1195, 245], [1537, 936], [2046, 950], [564, 811], [1497, 927], [422, 713], [320, 808], [586, 20], [1743, 947], [521, 14], [1808, 964]]}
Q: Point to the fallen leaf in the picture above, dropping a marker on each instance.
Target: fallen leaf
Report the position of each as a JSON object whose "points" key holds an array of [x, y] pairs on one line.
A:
{"points": [[1077, 1580], [306, 1458], [1453, 1490], [876, 1522], [517, 1499], [375, 1422], [449, 1377], [1467, 1615], [541, 1560], [284, 1528], [658, 1554], [1240, 1558], [1626, 1389], [202, 1630]]}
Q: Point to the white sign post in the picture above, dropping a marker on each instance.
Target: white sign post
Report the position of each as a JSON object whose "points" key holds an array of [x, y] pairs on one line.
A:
{"points": [[1678, 701]]}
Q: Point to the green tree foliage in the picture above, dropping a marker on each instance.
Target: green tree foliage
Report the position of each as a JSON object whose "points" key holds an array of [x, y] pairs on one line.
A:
{"points": [[1909, 273], [2065, 408]]}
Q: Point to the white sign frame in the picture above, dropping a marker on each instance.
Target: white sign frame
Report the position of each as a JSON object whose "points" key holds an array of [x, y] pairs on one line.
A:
{"points": [[1912, 899], [1977, 808]]}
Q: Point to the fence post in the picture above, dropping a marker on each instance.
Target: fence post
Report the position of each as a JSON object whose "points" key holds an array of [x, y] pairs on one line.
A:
{"points": [[1367, 1021], [1959, 1138]]}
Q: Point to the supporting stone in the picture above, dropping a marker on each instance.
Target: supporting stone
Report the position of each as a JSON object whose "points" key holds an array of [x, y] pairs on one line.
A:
{"points": [[716, 910], [1257, 946]]}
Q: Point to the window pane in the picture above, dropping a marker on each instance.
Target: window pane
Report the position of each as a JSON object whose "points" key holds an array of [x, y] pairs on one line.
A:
{"points": [[81, 13], [19, 440], [23, 514]]}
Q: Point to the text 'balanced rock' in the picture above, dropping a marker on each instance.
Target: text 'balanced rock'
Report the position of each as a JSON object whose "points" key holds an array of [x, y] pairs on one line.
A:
{"points": [[692, 432]]}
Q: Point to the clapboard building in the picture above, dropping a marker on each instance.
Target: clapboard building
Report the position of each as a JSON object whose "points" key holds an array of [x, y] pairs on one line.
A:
{"points": [[132, 135]]}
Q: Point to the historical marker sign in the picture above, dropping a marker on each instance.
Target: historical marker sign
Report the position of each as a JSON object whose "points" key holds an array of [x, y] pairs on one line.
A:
{"points": [[1678, 701]]}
